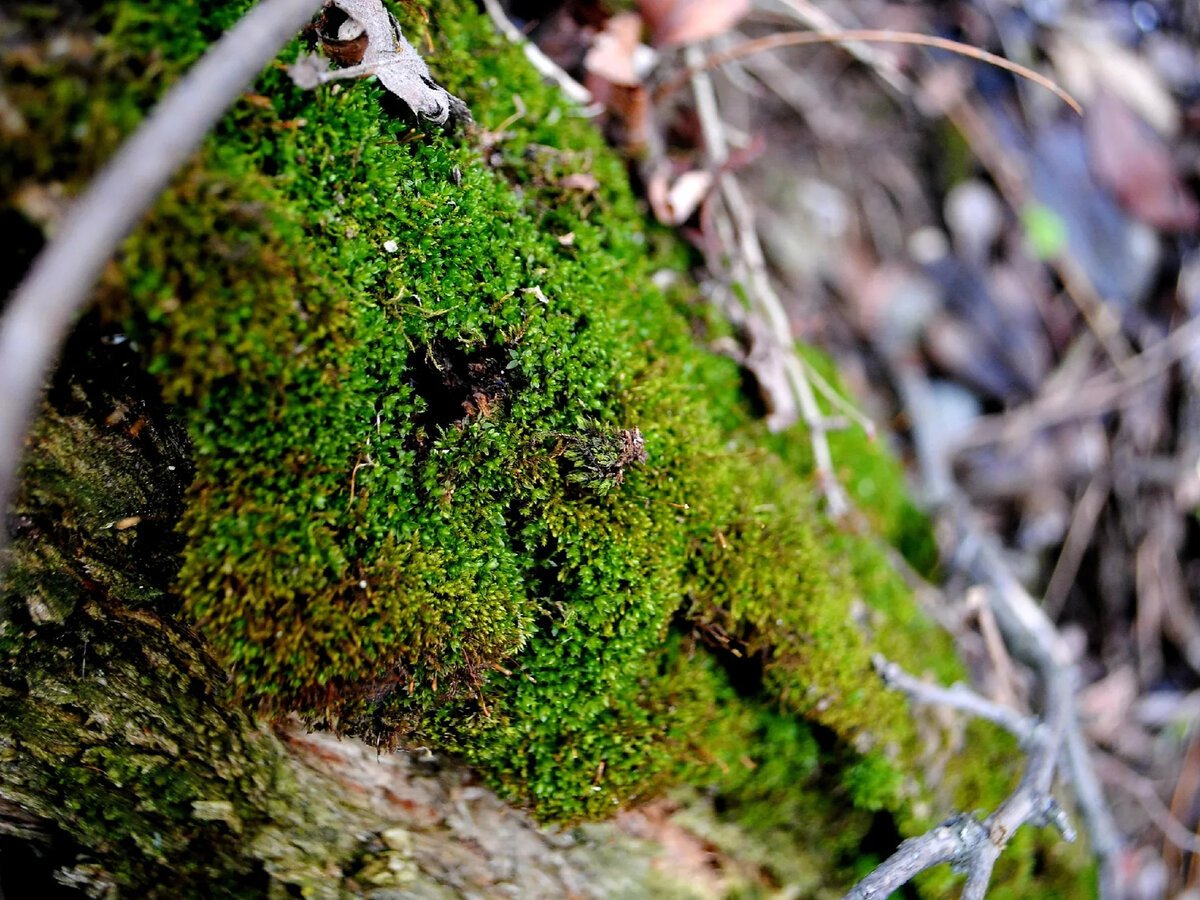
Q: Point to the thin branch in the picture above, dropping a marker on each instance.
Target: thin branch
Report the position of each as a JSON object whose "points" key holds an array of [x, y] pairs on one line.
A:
{"points": [[43, 307], [1028, 632], [1143, 791], [1079, 537], [837, 401], [820, 21], [971, 845], [957, 696], [749, 251], [547, 67], [1095, 396], [866, 35], [1102, 832], [947, 842]]}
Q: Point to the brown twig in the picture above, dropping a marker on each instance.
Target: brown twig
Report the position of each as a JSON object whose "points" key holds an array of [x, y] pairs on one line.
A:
{"points": [[1186, 787], [1095, 396], [993, 642], [749, 253], [820, 21], [1176, 835], [863, 35], [1079, 537]]}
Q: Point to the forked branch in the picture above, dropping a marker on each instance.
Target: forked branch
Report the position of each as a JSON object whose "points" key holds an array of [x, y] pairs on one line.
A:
{"points": [[970, 845]]}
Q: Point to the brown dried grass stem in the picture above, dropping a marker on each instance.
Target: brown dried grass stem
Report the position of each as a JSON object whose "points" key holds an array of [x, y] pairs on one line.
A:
{"points": [[868, 36]]}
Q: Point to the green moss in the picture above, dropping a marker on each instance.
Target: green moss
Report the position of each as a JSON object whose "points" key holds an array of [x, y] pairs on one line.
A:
{"points": [[416, 513]]}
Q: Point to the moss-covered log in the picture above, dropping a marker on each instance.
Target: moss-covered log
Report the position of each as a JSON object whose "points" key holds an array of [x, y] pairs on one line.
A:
{"points": [[393, 433]]}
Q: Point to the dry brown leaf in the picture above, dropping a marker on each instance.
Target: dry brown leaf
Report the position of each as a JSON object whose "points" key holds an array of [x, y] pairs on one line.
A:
{"points": [[674, 202], [1088, 62], [611, 56], [387, 55], [1132, 161], [614, 77], [675, 22]]}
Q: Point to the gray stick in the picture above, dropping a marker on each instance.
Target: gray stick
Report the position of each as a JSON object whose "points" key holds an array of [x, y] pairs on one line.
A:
{"points": [[42, 309]]}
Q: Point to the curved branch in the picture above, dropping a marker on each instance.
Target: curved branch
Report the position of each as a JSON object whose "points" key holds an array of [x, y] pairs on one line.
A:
{"points": [[43, 307]]}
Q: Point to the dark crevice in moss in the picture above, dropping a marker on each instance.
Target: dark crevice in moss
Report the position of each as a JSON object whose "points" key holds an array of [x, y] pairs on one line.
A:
{"points": [[23, 240], [745, 668], [456, 384]]}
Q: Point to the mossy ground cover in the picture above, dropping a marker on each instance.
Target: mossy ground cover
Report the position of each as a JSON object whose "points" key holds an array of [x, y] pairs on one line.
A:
{"points": [[410, 365]]}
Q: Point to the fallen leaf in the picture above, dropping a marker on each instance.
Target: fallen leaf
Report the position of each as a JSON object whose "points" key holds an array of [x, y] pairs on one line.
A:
{"points": [[673, 203], [615, 66], [611, 56], [687, 21], [1133, 161], [343, 39]]}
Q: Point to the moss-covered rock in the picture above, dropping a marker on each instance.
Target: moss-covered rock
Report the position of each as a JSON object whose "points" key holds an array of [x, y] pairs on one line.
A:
{"points": [[462, 476]]}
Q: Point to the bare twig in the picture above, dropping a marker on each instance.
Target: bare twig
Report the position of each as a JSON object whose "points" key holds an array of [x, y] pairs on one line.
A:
{"points": [[949, 842], [750, 254], [1142, 790], [971, 845], [1183, 797], [1095, 396], [821, 22], [1098, 824], [837, 401], [868, 35], [993, 641], [1079, 537], [957, 696], [43, 307], [1029, 635]]}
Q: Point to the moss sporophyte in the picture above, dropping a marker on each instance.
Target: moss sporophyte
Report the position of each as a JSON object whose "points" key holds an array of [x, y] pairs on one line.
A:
{"points": [[485, 493]]}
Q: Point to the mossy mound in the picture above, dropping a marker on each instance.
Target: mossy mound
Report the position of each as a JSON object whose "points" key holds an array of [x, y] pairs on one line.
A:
{"points": [[420, 375]]}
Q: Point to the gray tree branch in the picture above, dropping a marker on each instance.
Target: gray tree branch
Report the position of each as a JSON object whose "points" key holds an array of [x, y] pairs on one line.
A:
{"points": [[44, 305], [970, 845]]}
